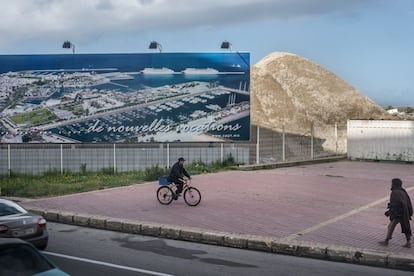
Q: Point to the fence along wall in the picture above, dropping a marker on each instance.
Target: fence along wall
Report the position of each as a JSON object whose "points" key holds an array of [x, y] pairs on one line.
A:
{"points": [[381, 140], [35, 158], [286, 144], [266, 146]]}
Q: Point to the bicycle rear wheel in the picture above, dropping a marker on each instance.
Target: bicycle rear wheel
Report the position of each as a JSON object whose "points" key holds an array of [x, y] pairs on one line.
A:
{"points": [[192, 196], [165, 195]]}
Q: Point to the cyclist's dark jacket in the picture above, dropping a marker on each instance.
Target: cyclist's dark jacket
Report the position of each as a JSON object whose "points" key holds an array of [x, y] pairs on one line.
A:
{"points": [[177, 171]]}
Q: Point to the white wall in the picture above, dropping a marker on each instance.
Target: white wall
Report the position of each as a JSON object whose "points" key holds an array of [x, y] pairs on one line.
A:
{"points": [[381, 140]]}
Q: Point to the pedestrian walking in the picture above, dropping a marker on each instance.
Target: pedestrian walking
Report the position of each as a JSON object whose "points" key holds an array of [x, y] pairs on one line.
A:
{"points": [[400, 211]]}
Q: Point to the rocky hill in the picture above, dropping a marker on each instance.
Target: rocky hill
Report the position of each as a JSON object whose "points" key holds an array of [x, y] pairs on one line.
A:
{"points": [[291, 93]]}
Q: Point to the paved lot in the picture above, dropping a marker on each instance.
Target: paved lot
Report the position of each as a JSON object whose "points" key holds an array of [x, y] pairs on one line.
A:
{"points": [[339, 203]]}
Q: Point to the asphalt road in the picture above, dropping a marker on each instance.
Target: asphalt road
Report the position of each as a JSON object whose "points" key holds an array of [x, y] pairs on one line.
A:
{"points": [[87, 251]]}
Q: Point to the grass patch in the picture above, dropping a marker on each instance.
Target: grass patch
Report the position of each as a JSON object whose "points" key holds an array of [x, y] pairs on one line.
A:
{"points": [[54, 183], [35, 117]]}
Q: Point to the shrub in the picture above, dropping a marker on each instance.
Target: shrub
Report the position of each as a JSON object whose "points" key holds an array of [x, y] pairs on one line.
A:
{"points": [[154, 172]]}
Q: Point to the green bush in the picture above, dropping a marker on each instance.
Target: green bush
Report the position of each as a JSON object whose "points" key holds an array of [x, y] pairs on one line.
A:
{"points": [[82, 168], [109, 170], [229, 161], [154, 172]]}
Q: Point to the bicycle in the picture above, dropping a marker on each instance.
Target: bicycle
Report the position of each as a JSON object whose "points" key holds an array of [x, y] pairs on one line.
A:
{"points": [[166, 193]]}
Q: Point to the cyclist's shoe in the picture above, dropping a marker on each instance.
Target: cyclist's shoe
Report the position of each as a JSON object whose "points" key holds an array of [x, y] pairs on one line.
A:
{"points": [[175, 196]]}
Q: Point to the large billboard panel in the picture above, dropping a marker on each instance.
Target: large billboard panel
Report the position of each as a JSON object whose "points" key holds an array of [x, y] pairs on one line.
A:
{"points": [[125, 98]]}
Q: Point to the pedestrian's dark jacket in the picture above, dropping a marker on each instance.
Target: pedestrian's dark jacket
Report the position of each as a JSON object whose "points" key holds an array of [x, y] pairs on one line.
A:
{"points": [[400, 207], [177, 171]]}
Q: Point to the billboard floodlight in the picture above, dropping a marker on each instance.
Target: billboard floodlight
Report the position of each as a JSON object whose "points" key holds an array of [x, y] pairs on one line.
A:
{"points": [[155, 45], [225, 45], [67, 45]]}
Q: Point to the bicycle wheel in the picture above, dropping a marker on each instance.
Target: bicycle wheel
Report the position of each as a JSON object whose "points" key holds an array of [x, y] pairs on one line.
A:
{"points": [[192, 196], [165, 195]]}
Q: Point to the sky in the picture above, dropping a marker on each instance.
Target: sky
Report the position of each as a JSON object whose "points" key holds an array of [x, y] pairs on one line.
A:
{"points": [[367, 43]]}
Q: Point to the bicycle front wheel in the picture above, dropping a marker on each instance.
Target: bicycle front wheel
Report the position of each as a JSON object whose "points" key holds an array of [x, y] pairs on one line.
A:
{"points": [[192, 196], [165, 195]]}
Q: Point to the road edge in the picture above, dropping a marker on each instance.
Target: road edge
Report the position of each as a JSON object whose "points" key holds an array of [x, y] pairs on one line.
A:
{"points": [[269, 244]]}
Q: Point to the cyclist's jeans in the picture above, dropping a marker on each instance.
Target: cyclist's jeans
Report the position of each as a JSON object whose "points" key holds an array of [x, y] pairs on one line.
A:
{"points": [[179, 185]]}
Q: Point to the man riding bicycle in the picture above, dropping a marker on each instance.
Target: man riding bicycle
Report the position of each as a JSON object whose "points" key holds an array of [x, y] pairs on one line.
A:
{"points": [[177, 174]]}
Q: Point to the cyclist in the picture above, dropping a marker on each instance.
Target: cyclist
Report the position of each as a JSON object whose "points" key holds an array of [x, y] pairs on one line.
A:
{"points": [[177, 174]]}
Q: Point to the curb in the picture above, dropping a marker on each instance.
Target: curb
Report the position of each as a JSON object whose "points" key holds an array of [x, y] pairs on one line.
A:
{"points": [[243, 241]]}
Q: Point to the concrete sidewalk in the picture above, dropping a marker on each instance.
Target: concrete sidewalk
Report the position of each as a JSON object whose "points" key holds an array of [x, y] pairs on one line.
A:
{"points": [[332, 211]]}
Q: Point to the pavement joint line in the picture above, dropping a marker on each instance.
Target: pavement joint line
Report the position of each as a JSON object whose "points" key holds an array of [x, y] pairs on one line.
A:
{"points": [[340, 217]]}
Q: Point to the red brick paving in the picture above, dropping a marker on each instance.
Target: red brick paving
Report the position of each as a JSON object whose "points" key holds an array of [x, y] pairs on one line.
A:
{"points": [[279, 202]]}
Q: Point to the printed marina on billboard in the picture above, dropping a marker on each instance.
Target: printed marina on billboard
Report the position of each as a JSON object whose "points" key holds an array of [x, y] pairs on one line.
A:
{"points": [[125, 98]]}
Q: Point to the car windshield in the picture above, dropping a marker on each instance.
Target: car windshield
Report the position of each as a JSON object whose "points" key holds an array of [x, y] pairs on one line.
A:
{"points": [[10, 208]]}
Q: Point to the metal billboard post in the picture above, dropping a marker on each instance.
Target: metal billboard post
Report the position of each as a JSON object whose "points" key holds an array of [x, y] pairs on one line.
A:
{"points": [[61, 159], [283, 144], [114, 158], [8, 160], [336, 138], [311, 141], [258, 146], [168, 155], [221, 153]]}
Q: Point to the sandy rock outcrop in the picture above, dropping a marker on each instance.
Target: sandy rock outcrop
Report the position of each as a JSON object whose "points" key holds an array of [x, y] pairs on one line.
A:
{"points": [[291, 92]]}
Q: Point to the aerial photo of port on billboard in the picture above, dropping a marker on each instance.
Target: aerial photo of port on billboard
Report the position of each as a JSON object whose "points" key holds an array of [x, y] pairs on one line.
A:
{"points": [[125, 98]]}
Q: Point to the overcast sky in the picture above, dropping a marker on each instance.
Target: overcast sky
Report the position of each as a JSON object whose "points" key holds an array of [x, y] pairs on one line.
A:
{"points": [[368, 43]]}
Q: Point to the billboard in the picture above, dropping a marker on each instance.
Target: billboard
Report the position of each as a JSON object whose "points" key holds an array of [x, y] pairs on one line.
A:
{"points": [[125, 98]]}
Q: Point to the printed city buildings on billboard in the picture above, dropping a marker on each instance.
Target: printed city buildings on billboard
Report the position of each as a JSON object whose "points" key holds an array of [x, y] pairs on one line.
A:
{"points": [[125, 98]]}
